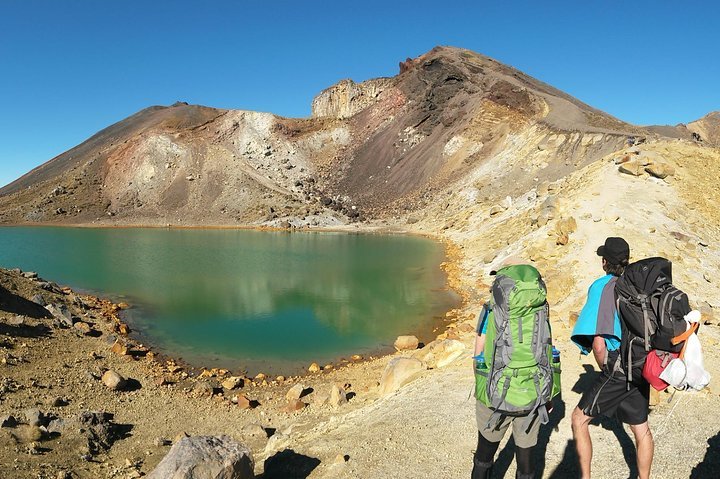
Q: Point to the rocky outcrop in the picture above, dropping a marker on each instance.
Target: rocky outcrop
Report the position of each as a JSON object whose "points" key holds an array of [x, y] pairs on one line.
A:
{"points": [[707, 129], [346, 98], [206, 457], [399, 372]]}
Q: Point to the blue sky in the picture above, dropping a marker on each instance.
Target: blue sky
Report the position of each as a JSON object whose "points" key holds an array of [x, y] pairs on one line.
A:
{"points": [[70, 68]]}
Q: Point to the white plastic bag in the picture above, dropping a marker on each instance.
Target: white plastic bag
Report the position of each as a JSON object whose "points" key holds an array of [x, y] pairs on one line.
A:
{"points": [[688, 372]]}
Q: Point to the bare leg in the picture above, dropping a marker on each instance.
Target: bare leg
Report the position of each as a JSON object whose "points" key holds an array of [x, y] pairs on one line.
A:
{"points": [[645, 448], [583, 443]]}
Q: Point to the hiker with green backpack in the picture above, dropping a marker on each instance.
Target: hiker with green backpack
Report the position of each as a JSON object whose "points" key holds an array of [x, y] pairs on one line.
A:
{"points": [[517, 370]]}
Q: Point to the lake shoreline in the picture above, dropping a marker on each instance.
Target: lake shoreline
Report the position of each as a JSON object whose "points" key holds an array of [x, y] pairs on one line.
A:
{"points": [[434, 329]]}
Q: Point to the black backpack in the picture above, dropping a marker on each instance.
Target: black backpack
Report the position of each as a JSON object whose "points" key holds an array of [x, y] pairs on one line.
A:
{"points": [[651, 312]]}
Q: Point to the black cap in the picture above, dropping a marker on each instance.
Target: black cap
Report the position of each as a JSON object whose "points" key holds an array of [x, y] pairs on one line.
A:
{"points": [[615, 250]]}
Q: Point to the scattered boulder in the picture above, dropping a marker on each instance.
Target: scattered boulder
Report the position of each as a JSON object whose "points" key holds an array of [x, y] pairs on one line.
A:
{"points": [[61, 313], [294, 405], [83, 327], [295, 392], [232, 382], [441, 353], [399, 372], [406, 343], [119, 348], [314, 368], [206, 457], [660, 170], [33, 417], [633, 168], [242, 401], [338, 397], [113, 380], [99, 429]]}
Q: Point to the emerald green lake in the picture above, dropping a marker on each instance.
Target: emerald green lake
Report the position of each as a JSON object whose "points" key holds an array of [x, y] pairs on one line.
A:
{"points": [[248, 300]]}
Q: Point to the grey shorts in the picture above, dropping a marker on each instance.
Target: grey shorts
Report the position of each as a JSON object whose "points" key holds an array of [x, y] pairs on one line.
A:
{"points": [[523, 438]]}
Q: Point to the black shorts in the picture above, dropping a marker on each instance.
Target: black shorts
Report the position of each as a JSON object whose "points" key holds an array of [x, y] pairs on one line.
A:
{"points": [[609, 396]]}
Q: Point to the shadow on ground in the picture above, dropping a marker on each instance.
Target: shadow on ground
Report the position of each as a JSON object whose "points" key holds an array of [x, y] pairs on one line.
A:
{"points": [[710, 465], [15, 304], [288, 464]]}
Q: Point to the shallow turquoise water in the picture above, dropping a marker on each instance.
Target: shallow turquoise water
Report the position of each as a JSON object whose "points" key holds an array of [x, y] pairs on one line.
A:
{"points": [[247, 300]]}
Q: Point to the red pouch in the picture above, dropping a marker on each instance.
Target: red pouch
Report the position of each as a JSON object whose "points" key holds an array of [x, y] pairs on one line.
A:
{"points": [[655, 363]]}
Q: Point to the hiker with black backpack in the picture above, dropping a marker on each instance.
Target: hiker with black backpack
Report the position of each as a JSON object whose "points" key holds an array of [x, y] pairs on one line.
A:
{"points": [[600, 329], [517, 370]]}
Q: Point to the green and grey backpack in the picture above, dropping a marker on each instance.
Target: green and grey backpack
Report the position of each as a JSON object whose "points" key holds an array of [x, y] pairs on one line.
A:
{"points": [[520, 377]]}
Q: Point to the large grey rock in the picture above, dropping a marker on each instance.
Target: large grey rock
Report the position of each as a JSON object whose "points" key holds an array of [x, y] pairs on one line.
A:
{"points": [[206, 457], [61, 313], [399, 372]]}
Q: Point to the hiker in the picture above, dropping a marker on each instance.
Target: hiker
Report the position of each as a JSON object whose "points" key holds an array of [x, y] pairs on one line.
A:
{"points": [[515, 377], [599, 329]]}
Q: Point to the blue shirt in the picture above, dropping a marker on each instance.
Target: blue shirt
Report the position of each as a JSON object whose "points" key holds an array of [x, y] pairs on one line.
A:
{"points": [[482, 320], [598, 317]]}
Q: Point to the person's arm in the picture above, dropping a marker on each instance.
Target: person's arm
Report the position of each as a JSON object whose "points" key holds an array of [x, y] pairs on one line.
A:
{"points": [[479, 343], [599, 351]]}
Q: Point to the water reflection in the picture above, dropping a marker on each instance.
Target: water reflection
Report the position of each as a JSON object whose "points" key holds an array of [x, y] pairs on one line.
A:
{"points": [[247, 295]]}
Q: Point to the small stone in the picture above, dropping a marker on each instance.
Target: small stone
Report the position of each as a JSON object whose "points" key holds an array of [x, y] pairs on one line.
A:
{"points": [[64, 475], [232, 382], [16, 320], [356, 357], [161, 441], [295, 392], [56, 426], [314, 368], [328, 367], [83, 327], [497, 209], [660, 170], [633, 168], [280, 379], [406, 343], [243, 402], [338, 397], [33, 417], [260, 377], [119, 348], [706, 277], [293, 406], [113, 380], [123, 329], [341, 459]]}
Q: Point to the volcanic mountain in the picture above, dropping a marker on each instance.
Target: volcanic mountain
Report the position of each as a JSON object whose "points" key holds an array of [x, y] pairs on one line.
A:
{"points": [[380, 148]]}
